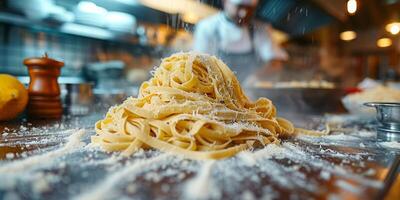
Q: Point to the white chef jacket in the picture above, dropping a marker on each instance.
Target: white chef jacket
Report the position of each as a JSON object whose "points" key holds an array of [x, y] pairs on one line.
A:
{"points": [[232, 38]]}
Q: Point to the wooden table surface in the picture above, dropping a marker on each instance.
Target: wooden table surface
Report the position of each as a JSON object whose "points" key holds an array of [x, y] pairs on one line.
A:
{"points": [[304, 167]]}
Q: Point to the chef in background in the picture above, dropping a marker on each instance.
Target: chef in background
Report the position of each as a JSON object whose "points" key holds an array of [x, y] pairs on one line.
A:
{"points": [[243, 43]]}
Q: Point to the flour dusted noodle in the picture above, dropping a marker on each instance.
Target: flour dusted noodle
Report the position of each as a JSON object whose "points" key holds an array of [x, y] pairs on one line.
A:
{"points": [[193, 106]]}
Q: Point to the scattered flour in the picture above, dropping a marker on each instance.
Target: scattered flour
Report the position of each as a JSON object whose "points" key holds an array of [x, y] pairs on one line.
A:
{"points": [[299, 155], [349, 187], [269, 193], [271, 150], [247, 157], [248, 166], [73, 143], [248, 195], [370, 172], [43, 181], [328, 139], [366, 133], [102, 189], [325, 175], [341, 136], [390, 145], [131, 188], [202, 185]]}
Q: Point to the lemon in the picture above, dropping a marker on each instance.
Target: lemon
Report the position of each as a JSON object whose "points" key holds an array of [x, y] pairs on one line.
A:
{"points": [[13, 97]]}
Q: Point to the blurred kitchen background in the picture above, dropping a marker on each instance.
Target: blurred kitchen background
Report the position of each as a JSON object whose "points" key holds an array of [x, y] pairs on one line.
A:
{"points": [[115, 43]]}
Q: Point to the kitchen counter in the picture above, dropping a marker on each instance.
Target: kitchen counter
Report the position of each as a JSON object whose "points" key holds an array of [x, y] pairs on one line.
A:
{"points": [[40, 162]]}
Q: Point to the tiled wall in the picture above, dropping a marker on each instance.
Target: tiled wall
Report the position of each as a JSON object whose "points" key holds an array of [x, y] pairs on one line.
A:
{"points": [[18, 43]]}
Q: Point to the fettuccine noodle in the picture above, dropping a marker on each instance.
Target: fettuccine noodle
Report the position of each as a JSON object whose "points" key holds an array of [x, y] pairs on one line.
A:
{"points": [[193, 106]]}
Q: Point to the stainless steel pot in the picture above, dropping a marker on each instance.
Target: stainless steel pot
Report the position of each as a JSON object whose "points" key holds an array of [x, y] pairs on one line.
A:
{"points": [[388, 117]]}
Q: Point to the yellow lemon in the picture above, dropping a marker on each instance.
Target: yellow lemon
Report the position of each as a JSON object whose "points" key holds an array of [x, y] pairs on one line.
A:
{"points": [[13, 97]]}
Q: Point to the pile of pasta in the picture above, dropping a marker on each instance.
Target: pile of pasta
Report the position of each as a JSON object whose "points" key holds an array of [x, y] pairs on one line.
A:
{"points": [[193, 106]]}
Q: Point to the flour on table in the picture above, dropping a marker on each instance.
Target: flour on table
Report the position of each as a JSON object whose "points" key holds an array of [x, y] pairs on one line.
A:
{"points": [[368, 134], [286, 165], [391, 145], [73, 143], [341, 136], [348, 187], [325, 175], [202, 186]]}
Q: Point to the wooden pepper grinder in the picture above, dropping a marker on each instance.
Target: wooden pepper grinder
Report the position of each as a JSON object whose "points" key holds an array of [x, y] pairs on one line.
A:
{"points": [[44, 91]]}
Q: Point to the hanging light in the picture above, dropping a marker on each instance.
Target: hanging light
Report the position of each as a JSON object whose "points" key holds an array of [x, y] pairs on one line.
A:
{"points": [[393, 28], [384, 42], [351, 6], [348, 35]]}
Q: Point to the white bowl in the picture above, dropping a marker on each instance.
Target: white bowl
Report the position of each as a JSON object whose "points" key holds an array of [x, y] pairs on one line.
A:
{"points": [[358, 108]]}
